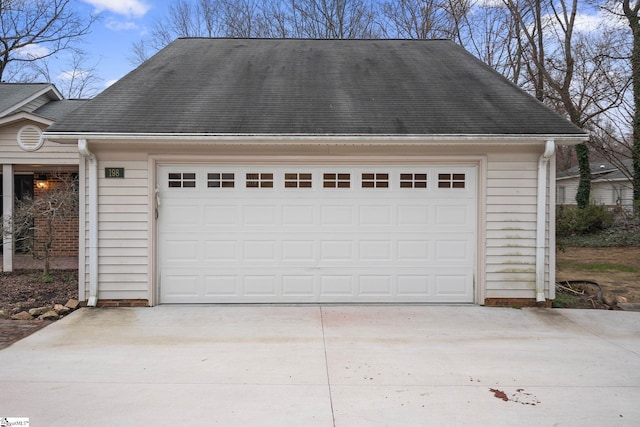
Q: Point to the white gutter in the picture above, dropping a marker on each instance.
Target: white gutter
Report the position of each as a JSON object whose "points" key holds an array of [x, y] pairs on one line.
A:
{"points": [[308, 139], [83, 148], [543, 163]]}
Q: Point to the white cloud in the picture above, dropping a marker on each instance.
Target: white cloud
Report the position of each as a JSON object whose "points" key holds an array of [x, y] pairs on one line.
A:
{"points": [[33, 51], [115, 25], [110, 82], [589, 23], [70, 75], [137, 8]]}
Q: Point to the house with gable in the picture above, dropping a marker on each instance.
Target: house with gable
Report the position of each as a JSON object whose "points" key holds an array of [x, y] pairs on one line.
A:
{"points": [[611, 185], [29, 162], [315, 171]]}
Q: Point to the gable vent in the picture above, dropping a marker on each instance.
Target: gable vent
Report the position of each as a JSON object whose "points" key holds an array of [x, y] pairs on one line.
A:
{"points": [[30, 138]]}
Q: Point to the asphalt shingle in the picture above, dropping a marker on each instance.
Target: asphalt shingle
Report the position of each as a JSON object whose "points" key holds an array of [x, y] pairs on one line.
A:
{"points": [[317, 87]]}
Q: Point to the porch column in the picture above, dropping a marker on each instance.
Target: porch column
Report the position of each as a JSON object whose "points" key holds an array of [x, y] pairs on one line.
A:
{"points": [[7, 213]]}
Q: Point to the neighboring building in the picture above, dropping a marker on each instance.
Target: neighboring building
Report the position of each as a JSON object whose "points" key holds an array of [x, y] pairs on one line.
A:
{"points": [[305, 171], [29, 160], [610, 186]]}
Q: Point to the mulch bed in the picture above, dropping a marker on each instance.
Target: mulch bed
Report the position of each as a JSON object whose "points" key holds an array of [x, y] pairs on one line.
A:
{"points": [[25, 289]]}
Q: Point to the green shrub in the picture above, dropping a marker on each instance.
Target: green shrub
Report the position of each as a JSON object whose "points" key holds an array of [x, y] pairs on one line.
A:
{"points": [[572, 221]]}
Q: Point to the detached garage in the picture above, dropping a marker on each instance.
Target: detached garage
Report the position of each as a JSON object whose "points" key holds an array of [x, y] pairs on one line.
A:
{"points": [[315, 171]]}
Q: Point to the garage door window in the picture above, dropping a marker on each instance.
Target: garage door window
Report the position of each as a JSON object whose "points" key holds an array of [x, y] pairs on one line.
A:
{"points": [[182, 180], [413, 180], [375, 180], [259, 180], [451, 180], [220, 180], [297, 180], [337, 180]]}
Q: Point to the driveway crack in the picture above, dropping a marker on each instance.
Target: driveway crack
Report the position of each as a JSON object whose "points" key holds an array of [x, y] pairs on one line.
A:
{"points": [[326, 364]]}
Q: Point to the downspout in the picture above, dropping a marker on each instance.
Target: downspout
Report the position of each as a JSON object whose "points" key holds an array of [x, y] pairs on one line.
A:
{"points": [[83, 148], [541, 222]]}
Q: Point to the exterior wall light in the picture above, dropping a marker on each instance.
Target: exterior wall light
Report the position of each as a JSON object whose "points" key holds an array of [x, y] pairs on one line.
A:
{"points": [[42, 182]]}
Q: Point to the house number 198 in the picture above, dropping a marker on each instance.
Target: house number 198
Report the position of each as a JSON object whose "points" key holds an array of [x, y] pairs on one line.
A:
{"points": [[114, 172]]}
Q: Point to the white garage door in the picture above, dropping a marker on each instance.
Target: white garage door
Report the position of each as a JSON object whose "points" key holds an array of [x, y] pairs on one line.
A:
{"points": [[243, 234]]}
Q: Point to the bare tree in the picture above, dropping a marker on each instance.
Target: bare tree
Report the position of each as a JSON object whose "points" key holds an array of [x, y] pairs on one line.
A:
{"points": [[631, 12], [204, 18], [332, 19], [35, 221], [37, 29], [418, 19], [78, 81], [567, 69]]}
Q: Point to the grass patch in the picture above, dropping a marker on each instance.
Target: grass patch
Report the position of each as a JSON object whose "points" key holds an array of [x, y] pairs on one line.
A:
{"points": [[599, 267], [564, 300]]}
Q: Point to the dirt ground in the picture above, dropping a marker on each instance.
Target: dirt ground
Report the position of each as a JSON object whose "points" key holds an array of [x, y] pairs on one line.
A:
{"points": [[25, 289], [577, 264]]}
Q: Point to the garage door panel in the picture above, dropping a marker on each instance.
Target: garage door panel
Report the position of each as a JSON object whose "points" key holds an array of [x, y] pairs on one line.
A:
{"points": [[412, 215], [298, 250], [363, 240], [375, 285], [337, 215], [414, 285], [221, 250], [259, 285], [299, 286], [218, 285], [220, 215]]}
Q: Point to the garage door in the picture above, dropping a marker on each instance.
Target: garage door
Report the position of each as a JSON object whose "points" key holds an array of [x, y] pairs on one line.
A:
{"points": [[304, 234]]}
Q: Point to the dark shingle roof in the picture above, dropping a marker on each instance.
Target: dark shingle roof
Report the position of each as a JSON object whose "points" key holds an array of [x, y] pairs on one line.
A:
{"points": [[601, 170], [55, 110], [14, 94], [297, 86]]}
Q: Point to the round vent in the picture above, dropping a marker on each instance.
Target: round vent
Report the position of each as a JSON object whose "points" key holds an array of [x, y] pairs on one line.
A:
{"points": [[30, 138]]}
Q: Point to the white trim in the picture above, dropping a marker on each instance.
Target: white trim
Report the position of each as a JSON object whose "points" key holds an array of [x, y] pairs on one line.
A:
{"points": [[306, 139], [23, 115], [153, 266], [7, 207], [481, 230], [82, 234], [94, 261], [46, 89], [552, 228], [541, 220], [479, 162]]}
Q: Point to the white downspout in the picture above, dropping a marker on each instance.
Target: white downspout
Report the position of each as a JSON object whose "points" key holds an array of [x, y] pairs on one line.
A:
{"points": [[83, 148], [541, 222]]}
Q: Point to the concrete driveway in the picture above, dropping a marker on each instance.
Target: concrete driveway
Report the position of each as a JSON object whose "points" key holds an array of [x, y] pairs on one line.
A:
{"points": [[327, 365]]}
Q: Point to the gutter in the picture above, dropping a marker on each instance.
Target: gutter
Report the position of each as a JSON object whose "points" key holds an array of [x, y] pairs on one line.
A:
{"points": [[83, 148], [310, 139], [541, 217]]}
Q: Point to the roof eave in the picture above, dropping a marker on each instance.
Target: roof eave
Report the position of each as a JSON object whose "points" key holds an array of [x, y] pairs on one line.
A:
{"points": [[50, 88], [433, 139], [23, 115]]}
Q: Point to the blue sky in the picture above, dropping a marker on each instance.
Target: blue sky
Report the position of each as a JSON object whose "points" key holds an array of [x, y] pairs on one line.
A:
{"points": [[122, 22]]}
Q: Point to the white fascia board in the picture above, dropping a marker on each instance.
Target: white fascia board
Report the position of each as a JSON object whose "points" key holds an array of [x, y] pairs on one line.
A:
{"points": [[48, 88], [23, 115], [292, 139]]}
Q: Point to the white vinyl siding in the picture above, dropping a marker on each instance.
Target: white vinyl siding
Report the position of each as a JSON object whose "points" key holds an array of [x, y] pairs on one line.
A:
{"points": [[123, 232], [49, 154], [511, 225], [508, 232], [602, 192]]}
